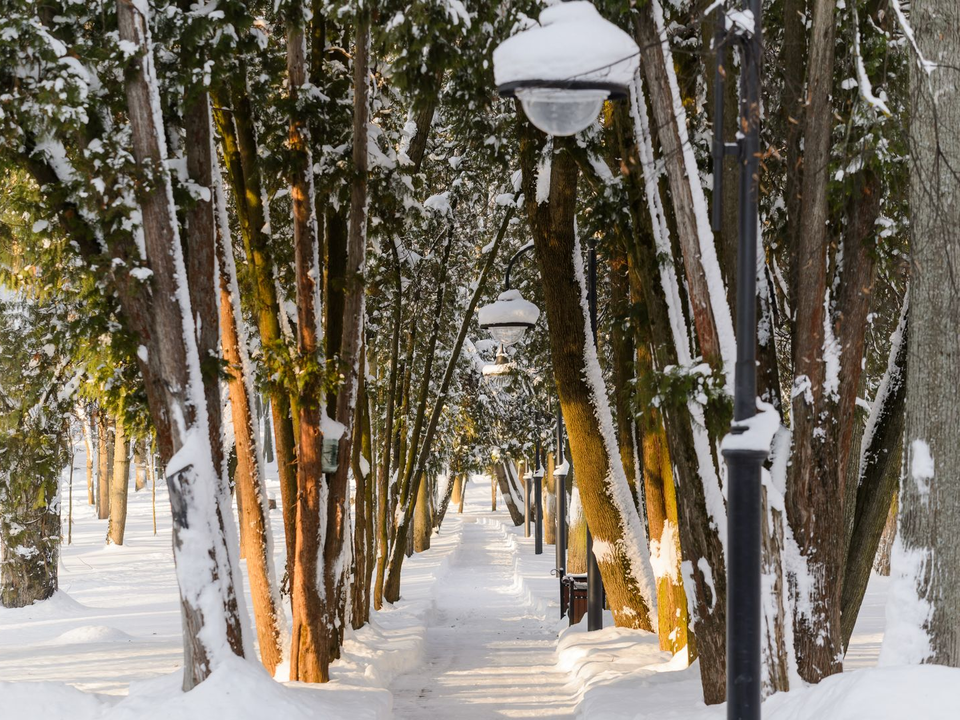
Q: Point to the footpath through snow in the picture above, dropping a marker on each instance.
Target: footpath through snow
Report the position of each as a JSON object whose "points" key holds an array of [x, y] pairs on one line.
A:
{"points": [[475, 635]]}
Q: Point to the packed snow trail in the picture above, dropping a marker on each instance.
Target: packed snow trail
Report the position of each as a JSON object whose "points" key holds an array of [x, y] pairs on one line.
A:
{"points": [[487, 652]]}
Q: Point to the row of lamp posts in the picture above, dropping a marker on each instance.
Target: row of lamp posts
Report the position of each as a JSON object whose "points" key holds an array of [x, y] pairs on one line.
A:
{"points": [[562, 71]]}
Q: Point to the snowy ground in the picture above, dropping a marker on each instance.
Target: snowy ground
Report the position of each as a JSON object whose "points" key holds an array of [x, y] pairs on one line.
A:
{"points": [[475, 636]]}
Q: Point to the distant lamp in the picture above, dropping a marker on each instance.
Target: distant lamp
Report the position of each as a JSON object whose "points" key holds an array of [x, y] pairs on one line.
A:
{"points": [[563, 69], [509, 317]]}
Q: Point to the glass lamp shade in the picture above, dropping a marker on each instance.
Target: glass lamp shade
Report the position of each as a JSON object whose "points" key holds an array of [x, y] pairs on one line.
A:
{"points": [[560, 111], [507, 335]]}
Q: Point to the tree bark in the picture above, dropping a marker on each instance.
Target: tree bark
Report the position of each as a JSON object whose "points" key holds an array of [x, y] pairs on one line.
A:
{"points": [[684, 182], [105, 462], [119, 485], [619, 541], [242, 160], [160, 311], [700, 543], [926, 555], [255, 536], [422, 518], [311, 635], [87, 422], [505, 474], [878, 478]]}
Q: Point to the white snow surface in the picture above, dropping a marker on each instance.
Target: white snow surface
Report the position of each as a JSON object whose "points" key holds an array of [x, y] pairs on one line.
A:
{"points": [[477, 634], [572, 42]]}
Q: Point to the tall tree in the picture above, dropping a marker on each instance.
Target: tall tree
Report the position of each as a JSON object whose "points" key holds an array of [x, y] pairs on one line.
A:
{"points": [[926, 556]]}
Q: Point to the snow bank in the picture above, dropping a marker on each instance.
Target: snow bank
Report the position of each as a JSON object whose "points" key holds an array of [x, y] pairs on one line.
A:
{"points": [[623, 675], [121, 644]]}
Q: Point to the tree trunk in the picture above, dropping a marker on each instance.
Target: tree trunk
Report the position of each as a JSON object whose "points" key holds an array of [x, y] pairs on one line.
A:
{"points": [[311, 636], [457, 489], [651, 280], [29, 549], [139, 465], [422, 519], [493, 494], [550, 502], [87, 422], [664, 524], [882, 562], [119, 485], [814, 498], [160, 311], [255, 535], [926, 554], [384, 517], [619, 540], [105, 462], [242, 159], [505, 475], [624, 373], [877, 479], [711, 315]]}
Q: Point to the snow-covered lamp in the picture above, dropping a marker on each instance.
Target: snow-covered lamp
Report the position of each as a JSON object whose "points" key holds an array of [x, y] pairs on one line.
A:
{"points": [[509, 317], [564, 68]]}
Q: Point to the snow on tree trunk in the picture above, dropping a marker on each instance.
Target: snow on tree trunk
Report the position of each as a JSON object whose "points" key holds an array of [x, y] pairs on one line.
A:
{"points": [[212, 626], [923, 612]]}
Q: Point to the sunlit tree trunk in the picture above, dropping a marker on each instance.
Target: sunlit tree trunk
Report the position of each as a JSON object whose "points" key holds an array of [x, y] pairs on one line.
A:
{"points": [[120, 485], [255, 535], [619, 540]]}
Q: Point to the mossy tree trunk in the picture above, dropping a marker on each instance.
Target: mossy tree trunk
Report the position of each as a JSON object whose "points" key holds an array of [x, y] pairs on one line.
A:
{"points": [[619, 541]]}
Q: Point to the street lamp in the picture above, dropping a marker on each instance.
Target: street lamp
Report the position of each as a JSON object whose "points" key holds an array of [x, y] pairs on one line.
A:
{"points": [[564, 68], [509, 317]]}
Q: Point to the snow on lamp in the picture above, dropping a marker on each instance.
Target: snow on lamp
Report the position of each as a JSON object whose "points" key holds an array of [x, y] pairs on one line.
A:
{"points": [[564, 68], [509, 317]]}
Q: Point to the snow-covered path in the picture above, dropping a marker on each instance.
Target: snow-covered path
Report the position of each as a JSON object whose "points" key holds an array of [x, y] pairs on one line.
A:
{"points": [[487, 654]]}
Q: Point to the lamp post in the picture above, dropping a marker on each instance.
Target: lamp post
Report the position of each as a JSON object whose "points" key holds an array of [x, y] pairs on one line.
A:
{"points": [[744, 458], [538, 501], [560, 488]]}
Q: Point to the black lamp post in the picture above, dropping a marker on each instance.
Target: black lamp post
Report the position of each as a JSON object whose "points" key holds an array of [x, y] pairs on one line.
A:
{"points": [[538, 500], [744, 459], [560, 489]]}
